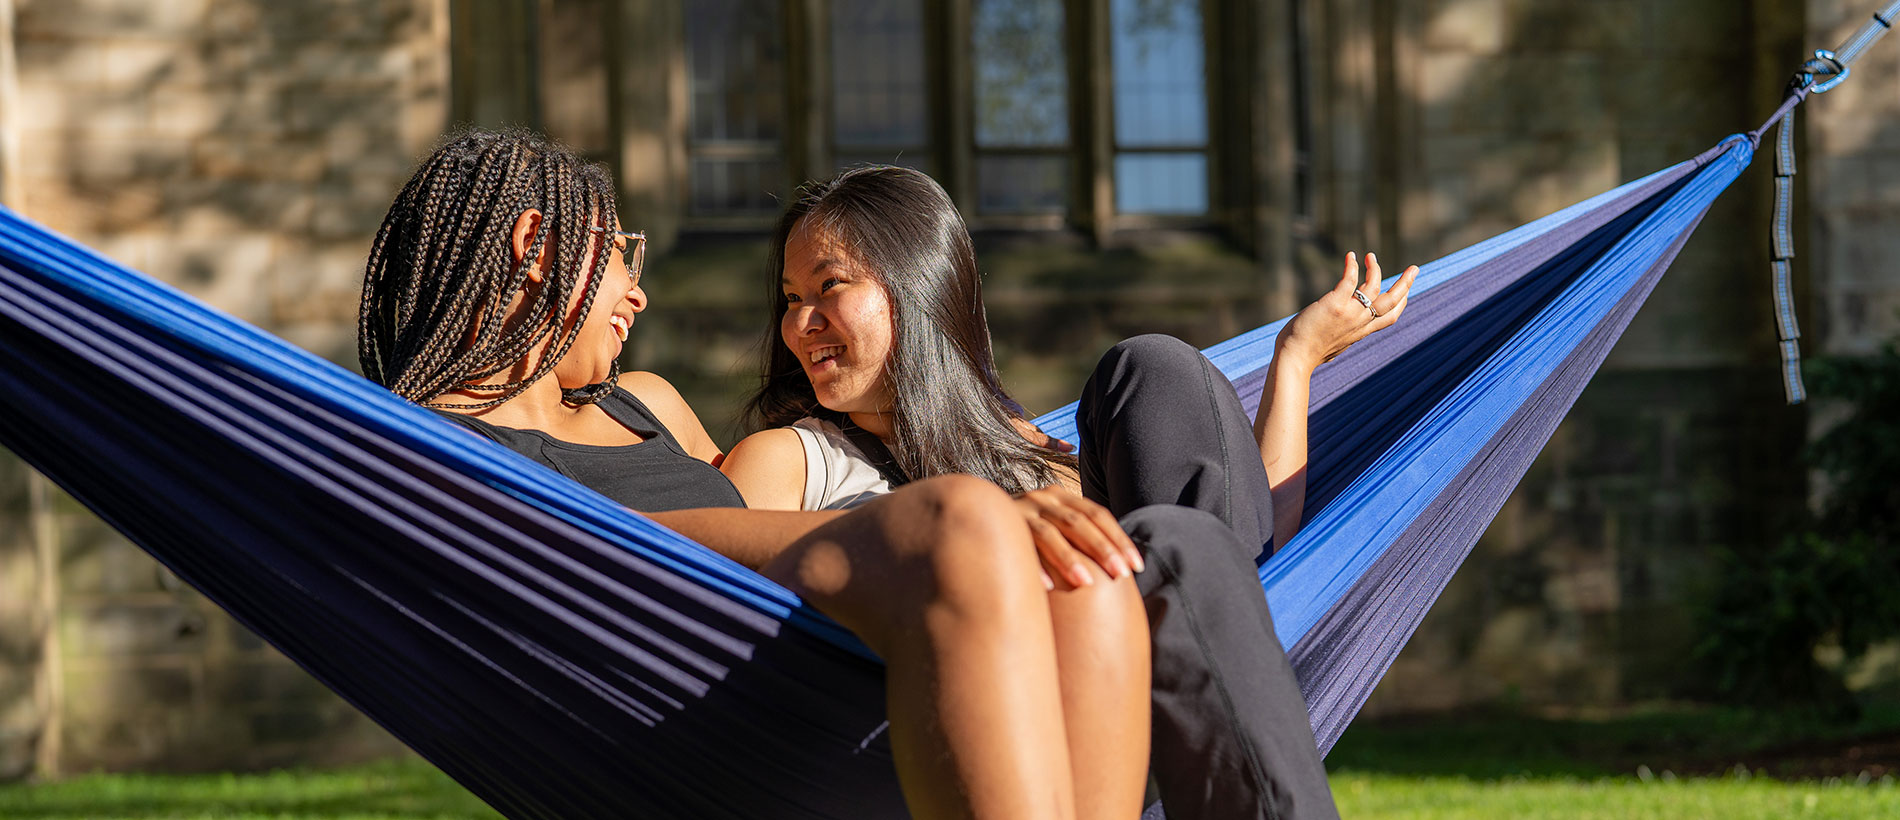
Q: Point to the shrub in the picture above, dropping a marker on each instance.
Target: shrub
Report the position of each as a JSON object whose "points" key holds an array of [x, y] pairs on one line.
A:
{"points": [[1837, 580]]}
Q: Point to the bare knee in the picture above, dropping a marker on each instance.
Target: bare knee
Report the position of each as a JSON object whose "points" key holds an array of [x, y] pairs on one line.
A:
{"points": [[973, 548], [1105, 620], [951, 547]]}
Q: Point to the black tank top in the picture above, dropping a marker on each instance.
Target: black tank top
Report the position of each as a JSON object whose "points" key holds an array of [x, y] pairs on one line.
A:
{"points": [[652, 476]]}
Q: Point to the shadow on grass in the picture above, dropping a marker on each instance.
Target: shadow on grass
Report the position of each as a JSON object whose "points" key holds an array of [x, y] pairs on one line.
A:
{"points": [[1499, 745], [396, 790]]}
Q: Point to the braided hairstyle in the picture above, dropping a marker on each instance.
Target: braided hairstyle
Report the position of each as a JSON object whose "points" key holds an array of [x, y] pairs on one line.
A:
{"points": [[442, 272]]}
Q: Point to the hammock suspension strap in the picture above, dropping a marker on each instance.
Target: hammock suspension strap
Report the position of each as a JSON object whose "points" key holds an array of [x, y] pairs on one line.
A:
{"points": [[1818, 75]]}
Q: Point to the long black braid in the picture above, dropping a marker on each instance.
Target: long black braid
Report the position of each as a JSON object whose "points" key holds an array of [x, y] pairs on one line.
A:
{"points": [[441, 270]]}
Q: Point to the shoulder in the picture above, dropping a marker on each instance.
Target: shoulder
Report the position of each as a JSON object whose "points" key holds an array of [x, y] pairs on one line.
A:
{"points": [[658, 394], [769, 469], [780, 442], [666, 404]]}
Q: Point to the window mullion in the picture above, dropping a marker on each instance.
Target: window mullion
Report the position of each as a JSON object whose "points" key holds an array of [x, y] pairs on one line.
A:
{"points": [[1091, 111], [807, 133], [955, 76]]}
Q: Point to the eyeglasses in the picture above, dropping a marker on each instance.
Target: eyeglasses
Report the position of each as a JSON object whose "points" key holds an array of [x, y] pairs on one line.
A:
{"points": [[635, 253]]}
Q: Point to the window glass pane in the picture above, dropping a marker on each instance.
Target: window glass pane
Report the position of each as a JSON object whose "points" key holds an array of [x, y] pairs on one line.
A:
{"points": [[1021, 82], [737, 66], [877, 73], [907, 159], [1161, 183], [1160, 84], [1022, 184], [736, 186]]}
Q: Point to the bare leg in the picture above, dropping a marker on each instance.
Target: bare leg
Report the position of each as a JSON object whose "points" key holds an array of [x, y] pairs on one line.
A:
{"points": [[941, 580], [1102, 662]]}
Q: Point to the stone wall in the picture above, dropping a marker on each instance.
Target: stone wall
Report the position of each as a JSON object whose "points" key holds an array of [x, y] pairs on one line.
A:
{"points": [[1582, 592], [1852, 168], [243, 151]]}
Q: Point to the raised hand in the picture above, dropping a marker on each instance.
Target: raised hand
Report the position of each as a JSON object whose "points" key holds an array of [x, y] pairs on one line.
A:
{"points": [[1346, 314]]}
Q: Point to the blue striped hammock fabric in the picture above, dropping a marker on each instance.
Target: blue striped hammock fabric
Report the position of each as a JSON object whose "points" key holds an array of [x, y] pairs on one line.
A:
{"points": [[564, 657]]}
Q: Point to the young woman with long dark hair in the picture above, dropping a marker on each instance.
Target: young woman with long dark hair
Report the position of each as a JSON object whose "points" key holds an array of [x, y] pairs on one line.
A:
{"points": [[499, 291], [880, 372]]}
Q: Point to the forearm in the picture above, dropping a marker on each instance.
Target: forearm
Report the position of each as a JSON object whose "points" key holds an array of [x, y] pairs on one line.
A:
{"points": [[751, 537], [1280, 430]]}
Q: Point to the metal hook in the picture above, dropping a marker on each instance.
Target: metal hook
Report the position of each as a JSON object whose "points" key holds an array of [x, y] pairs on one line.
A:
{"points": [[1824, 64]]}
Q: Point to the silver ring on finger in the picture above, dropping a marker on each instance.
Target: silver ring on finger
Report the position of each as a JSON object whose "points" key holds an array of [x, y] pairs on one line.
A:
{"points": [[1365, 300]]}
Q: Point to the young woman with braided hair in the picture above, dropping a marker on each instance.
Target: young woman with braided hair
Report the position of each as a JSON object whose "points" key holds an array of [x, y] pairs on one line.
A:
{"points": [[499, 291]]}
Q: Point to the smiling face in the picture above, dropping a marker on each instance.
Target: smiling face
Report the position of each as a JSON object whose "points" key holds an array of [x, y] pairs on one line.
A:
{"points": [[605, 328], [837, 323]]}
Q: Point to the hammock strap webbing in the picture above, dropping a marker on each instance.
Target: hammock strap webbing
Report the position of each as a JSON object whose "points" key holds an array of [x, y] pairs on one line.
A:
{"points": [[1818, 75]]}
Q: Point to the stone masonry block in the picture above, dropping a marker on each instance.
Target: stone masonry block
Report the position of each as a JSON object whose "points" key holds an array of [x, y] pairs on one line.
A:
{"points": [[289, 726], [128, 629], [1690, 26], [1469, 26], [1561, 25], [269, 680], [333, 64], [96, 163], [186, 115], [325, 288], [245, 158], [1478, 185], [203, 207], [315, 113], [92, 18], [105, 564], [19, 580], [1841, 130], [1860, 322], [342, 21], [98, 690], [142, 63], [59, 63], [1865, 252], [1516, 95], [1667, 94], [229, 272], [1441, 81]]}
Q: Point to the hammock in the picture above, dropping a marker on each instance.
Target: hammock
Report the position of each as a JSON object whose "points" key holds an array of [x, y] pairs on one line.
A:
{"points": [[562, 657]]}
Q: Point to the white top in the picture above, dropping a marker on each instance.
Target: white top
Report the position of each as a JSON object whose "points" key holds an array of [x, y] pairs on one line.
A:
{"points": [[838, 476]]}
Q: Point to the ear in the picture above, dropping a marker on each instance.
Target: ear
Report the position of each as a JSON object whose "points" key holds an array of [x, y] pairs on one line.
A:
{"points": [[522, 236]]}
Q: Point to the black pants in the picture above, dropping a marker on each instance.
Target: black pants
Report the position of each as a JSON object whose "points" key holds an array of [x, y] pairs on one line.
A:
{"points": [[1160, 426]]}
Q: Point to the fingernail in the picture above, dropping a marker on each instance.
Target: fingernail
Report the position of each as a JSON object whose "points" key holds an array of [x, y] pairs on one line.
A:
{"points": [[1140, 565], [1117, 568], [1080, 575], [1048, 584]]}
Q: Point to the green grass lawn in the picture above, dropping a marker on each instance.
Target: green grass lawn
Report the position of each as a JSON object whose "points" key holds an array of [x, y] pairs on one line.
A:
{"points": [[406, 789], [1391, 797], [1663, 763]]}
